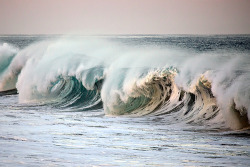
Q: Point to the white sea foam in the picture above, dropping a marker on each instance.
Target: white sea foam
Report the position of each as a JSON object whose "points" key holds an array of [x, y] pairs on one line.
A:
{"points": [[132, 81]]}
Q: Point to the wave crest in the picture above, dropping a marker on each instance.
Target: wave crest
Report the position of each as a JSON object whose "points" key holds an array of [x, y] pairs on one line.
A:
{"points": [[139, 95], [209, 88]]}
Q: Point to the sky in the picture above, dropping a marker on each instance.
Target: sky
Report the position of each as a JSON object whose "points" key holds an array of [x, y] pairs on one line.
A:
{"points": [[124, 16]]}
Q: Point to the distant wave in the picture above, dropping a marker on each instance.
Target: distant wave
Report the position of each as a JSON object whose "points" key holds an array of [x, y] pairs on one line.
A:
{"points": [[210, 88]]}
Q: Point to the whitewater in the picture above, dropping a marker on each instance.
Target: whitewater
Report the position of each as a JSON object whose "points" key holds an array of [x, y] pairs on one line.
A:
{"points": [[128, 100]]}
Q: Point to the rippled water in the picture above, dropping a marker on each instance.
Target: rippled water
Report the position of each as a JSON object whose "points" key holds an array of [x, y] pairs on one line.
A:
{"points": [[42, 136]]}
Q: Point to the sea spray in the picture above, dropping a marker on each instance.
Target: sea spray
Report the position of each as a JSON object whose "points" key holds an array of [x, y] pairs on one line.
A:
{"points": [[7, 53], [94, 73]]}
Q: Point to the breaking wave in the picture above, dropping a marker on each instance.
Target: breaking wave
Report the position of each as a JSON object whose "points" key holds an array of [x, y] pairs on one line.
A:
{"points": [[210, 88]]}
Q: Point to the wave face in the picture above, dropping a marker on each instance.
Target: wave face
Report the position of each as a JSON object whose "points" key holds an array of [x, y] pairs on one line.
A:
{"points": [[210, 87]]}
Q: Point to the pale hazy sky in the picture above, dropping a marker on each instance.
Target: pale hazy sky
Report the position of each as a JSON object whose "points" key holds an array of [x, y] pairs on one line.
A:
{"points": [[125, 16]]}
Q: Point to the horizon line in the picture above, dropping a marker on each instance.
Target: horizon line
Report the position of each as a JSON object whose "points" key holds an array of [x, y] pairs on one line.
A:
{"points": [[125, 34]]}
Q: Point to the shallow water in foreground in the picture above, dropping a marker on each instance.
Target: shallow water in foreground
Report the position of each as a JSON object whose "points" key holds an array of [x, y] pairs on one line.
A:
{"points": [[181, 96], [42, 136]]}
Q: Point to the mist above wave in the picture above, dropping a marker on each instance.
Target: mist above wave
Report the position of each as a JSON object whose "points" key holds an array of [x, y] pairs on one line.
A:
{"points": [[91, 73]]}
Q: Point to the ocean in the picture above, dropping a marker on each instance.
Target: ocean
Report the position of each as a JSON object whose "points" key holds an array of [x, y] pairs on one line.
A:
{"points": [[124, 100]]}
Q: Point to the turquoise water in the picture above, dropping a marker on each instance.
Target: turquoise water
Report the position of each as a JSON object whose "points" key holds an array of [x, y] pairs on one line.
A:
{"points": [[61, 123]]}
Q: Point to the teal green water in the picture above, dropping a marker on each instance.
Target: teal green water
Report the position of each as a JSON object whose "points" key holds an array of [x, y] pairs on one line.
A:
{"points": [[153, 100]]}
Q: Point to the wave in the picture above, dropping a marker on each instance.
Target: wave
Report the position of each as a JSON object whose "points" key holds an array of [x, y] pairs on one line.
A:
{"points": [[7, 53], [140, 95], [211, 88]]}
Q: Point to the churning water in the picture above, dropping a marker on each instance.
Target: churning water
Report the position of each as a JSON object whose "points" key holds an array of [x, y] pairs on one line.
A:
{"points": [[125, 100]]}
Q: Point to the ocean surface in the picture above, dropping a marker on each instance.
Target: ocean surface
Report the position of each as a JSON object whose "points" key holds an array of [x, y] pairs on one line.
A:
{"points": [[124, 100]]}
